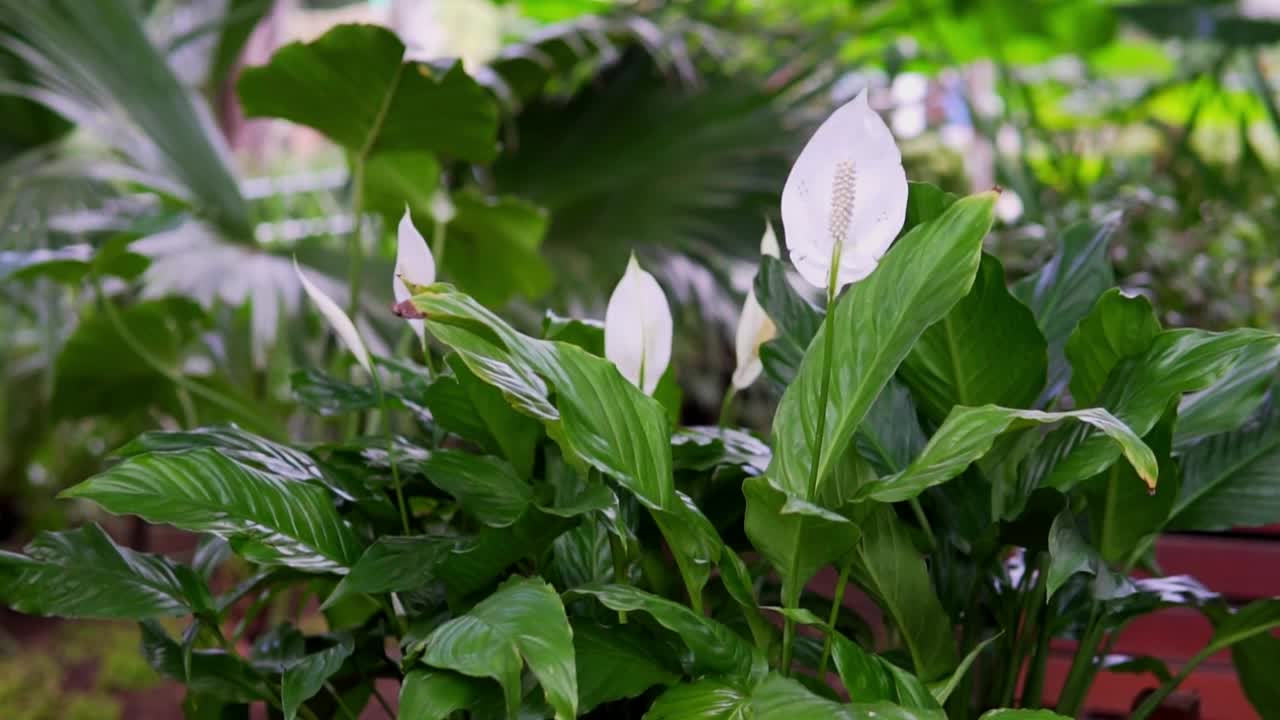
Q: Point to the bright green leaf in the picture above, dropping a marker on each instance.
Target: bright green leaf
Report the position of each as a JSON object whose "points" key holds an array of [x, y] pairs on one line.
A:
{"points": [[1118, 326]]}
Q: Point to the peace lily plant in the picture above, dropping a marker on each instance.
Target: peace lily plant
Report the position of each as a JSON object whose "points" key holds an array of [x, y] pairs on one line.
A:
{"points": [[520, 528]]}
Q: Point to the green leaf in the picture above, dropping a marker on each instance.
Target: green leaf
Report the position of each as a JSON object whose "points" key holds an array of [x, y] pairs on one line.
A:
{"points": [[82, 573], [887, 565], [211, 672], [877, 321], [1006, 714], [968, 433], [398, 179], [1118, 326], [1061, 293], [394, 564], [437, 694], [379, 104], [1252, 620], [987, 350], [523, 619], [714, 647], [1126, 518], [239, 445], [493, 248], [615, 663], [268, 519], [484, 486], [1138, 391], [796, 544], [598, 416], [1070, 553], [1256, 660], [942, 692], [704, 447], [329, 396], [1229, 480], [585, 333], [796, 320], [776, 698], [307, 677], [890, 436], [1228, 403], [475, 566], [703, 700], [693, 541], [468, 406], [97, 373]]}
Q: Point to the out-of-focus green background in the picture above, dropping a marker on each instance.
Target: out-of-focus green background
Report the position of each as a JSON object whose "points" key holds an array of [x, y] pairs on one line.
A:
{"points": [[664, 128]]}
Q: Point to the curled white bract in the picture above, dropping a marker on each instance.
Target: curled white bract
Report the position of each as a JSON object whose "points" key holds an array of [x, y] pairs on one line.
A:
{"points": [[337, 319], [755, 328], [414, 263], [638, 328], [846, 197]]}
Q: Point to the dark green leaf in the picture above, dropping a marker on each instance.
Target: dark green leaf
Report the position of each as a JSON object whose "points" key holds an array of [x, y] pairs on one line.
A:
{"points": [[776, 698], [380, 103], [493, 248], [484, 486], [393, 564], [267, 519], [703, 447], [987, 350], [523, 619], [307, 677], [1126, 518], [1070, 553], [1138, 666], [466, 405], [437, 694], [398, 179], [240, 445], [211, 672], [328, 396], [586, 334], [1118, 326], [1256, 660], [615, 663], [1007, 714], [876, 323], [795, 318], [890, 436], [82, 573], [476, 566], [1228, 403], [1229, 480]]}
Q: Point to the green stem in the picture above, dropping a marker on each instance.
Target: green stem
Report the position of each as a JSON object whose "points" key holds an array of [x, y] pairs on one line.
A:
{"points": [[1153, 700], [923, 519], [346, 711], [837, 601], [1082, 667], [1033, 690], [391, 453], [173, 376], [726, 407], [355, 251], [1032, 600]]}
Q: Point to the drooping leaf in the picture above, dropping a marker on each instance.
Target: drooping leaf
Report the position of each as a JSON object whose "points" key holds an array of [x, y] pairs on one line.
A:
{"points": [[1229, 480], [437, 694], [968, 433], [987, 350], [615, 662], [888, 566], [1125, 516], [523, 619], [1138, 391], [715, 648], [1070, 553], [82, 573], [268, 519], [393, 564], [484, 486], [1061, 293], [1118, 326], [598, 416], [307, 677], [386, 104], [876, 323]]}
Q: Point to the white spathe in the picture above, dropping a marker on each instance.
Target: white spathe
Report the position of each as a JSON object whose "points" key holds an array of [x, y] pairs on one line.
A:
{"points": [[846, 197], [337, 320], [414, 263], [637, 328], [755, 328]]}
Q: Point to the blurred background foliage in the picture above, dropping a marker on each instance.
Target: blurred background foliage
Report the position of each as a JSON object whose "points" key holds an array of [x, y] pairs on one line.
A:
{"points": [[152, 193]]}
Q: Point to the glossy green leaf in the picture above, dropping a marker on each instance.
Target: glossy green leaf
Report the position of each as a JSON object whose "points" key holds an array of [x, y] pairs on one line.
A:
{"points": [[437, 694], [704, 447], [98, 373], [1227, 404], [796, 544], [522, 619], [393, 564], [268, 519], [693, 541], [1138, 391], [378, 104], [1230, 480], [468, 406], [968, 433], [212, 672], [598, 416], [1061, 293], [1118, 326], [876, 322], [1124, 516], [484, 486], [585, 333], [307, 677], [715, 648], [240, 445], [480, 563], [887, 565], [987, 350], [616, 662], [776, 698], [82, 573]]}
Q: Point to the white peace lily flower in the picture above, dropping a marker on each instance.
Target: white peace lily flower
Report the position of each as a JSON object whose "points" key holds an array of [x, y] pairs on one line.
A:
{"points": [[846, 197], [337, 320], [414, 263], [755, 328], [637, 328]]}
